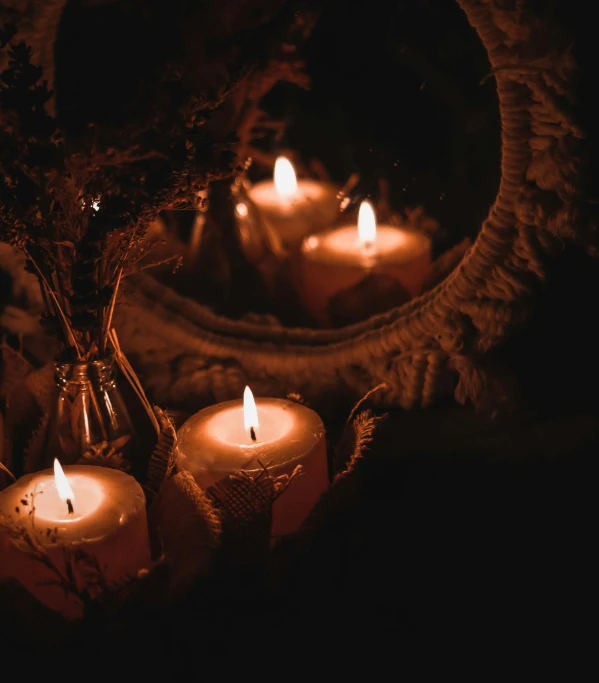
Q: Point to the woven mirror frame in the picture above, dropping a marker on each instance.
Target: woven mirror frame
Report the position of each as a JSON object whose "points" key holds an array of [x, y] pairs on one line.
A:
{"points": [[440, 342]]}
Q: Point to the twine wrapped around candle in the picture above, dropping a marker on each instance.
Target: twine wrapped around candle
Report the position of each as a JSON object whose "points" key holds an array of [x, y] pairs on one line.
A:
{"points": [[274, 435]]}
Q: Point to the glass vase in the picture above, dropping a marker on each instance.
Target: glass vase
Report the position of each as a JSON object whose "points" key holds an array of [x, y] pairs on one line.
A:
{"points": [[237, 260], [90, 419]]}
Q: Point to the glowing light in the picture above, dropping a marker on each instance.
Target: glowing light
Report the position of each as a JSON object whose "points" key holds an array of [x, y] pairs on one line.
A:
{"points": [[285, 178], [250, 413], [311, 242], [65, 492], [366, 224], [242, 209]]}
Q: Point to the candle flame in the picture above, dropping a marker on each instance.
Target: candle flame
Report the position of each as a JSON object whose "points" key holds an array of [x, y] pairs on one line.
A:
{"points": [[285, 179], [366, 224], [65, 492], [250, 413]]}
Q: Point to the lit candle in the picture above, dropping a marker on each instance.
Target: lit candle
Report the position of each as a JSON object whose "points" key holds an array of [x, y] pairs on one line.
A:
{"points": [[295, 208], [338, 259], [252, 434], [97, 510]]}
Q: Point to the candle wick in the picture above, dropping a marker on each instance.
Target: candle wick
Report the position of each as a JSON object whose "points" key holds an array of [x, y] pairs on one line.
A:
{"points": [[69, 506], [253, 433]]}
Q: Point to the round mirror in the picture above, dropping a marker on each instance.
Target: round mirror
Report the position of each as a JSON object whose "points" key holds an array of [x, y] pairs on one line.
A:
{"points": [[428, 114]]}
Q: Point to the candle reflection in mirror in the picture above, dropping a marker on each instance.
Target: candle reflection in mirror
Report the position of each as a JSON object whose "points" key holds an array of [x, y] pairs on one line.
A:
{"points": [[294, 207], [340, 258]]}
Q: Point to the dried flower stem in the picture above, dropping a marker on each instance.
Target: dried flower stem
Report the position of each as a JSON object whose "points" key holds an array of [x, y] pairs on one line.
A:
{"points": [[107, 322], [133, 379], [5, 469], [361, 402], [57, 307]]}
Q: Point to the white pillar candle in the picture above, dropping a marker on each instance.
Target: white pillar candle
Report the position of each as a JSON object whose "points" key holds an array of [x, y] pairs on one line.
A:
{"points": [[218, 441], [295, 208], [338, 259], [100, 511]]}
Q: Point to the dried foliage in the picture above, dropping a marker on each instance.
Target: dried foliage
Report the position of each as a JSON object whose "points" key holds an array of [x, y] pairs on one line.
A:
{"points": [[79, 205], [80, 229]]}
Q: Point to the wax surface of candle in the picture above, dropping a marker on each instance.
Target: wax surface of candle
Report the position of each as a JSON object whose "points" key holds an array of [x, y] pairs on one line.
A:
{"points": [[215, 443], [343, 246], [295, 207], [50, 508], [219, 441], [108, 522], [265, 194]]}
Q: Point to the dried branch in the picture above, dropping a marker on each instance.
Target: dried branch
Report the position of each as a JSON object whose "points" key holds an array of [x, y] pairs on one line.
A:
{"points": [[5, 469]]}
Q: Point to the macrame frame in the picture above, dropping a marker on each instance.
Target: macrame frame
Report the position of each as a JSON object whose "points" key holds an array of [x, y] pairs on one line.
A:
{"points": [[440, 342]]}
